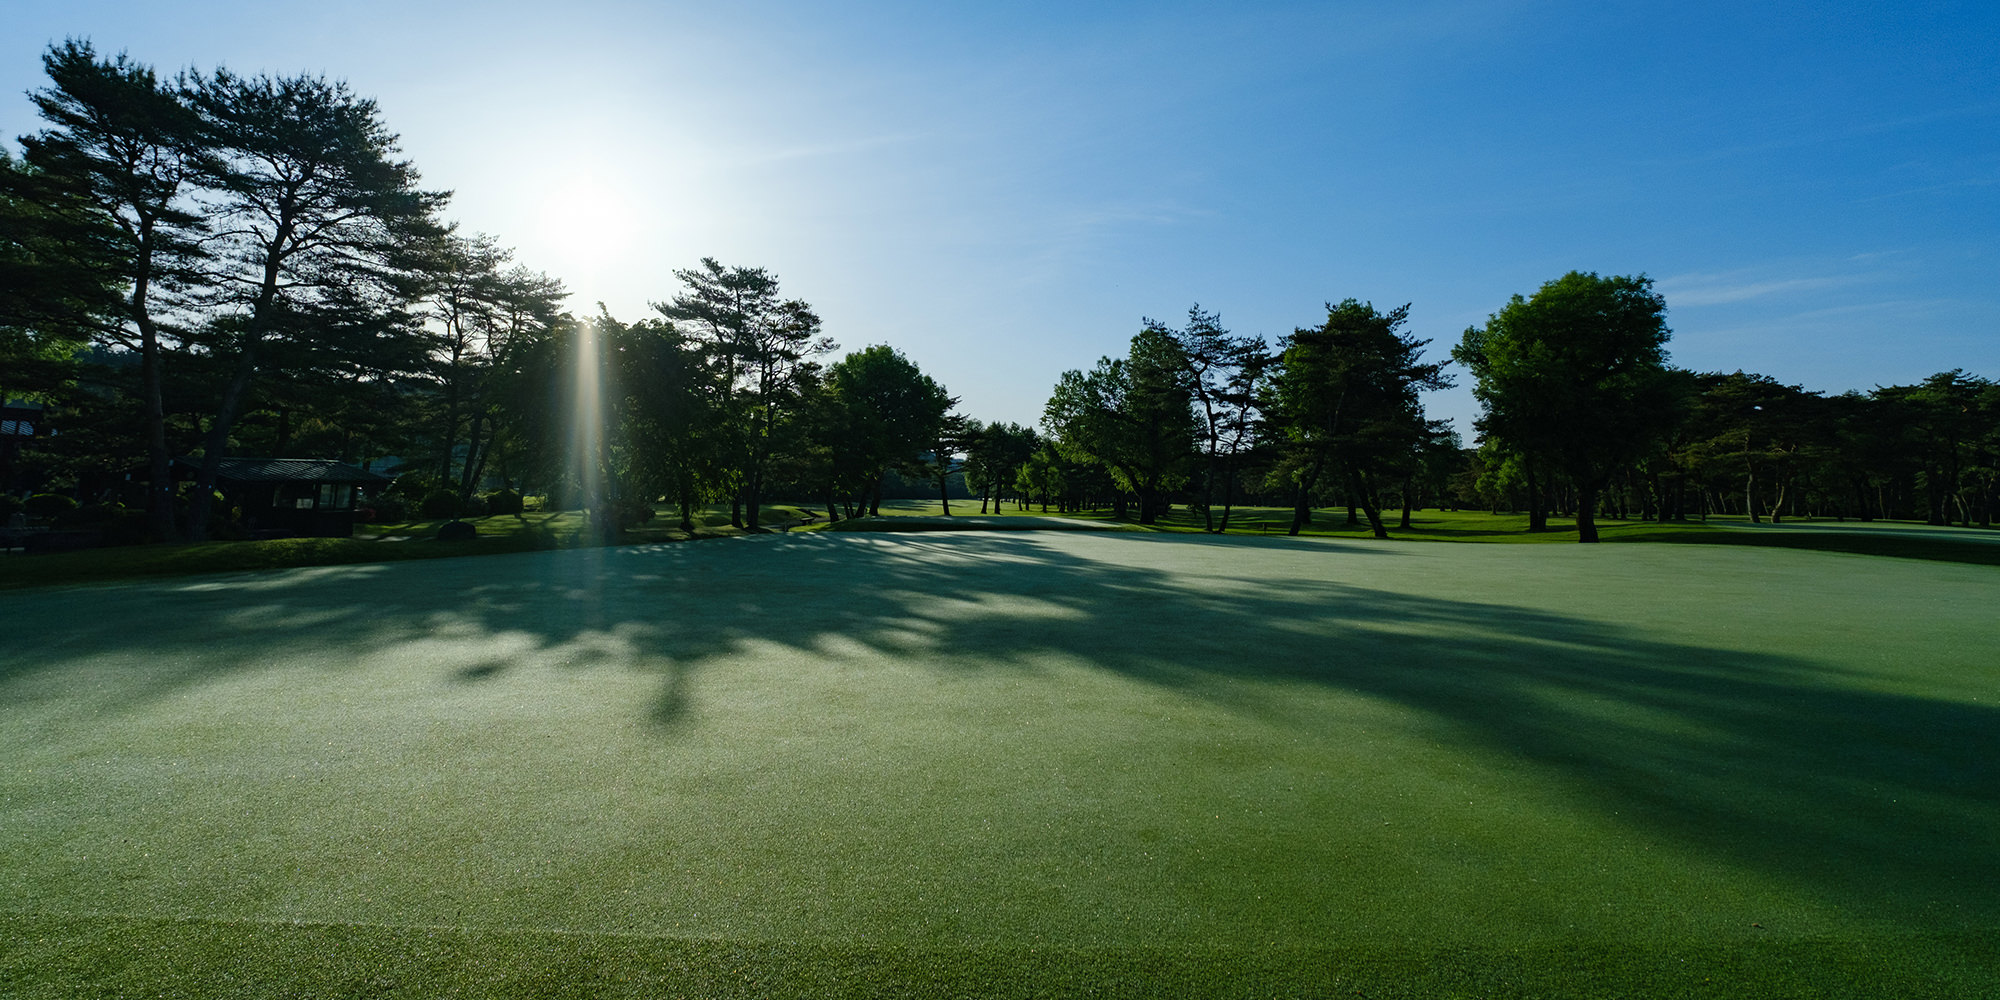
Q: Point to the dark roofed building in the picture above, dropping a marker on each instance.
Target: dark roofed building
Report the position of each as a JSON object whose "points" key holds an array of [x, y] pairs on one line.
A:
{"points": [[312, 497]]}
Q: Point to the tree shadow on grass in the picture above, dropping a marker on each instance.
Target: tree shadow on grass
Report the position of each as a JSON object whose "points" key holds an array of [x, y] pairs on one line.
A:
{"points": [[1887, 803]]}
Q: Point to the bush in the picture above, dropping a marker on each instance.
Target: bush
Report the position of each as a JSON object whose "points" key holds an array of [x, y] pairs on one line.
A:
{"points": [[388, 508], [48, 505], [10, 505], [90, 515], [503, 502], [442, 503], [473, 507], [126, 527], [456, 531]]}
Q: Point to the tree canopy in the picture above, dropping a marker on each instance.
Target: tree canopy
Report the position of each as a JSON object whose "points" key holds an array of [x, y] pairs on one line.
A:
{"points": [[1575, 379]]}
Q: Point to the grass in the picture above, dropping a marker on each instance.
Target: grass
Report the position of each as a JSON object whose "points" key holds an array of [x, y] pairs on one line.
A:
{"points": [[499, 533], [1902, 540], [537, 531], [1009, 764]]}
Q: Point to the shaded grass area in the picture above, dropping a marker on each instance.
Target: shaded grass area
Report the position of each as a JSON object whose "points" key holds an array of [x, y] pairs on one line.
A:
{"points": [[1899, 541], [1327, 522], [498, 534], [68, 957], [1007, 764], [1892, 539]]}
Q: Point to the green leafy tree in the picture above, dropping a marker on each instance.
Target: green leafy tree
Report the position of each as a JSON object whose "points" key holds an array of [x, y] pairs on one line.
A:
{"points": [[993, 458], [889, 415], [1223, 374], [1346, 395], [1574, 380], [1133, 416], [765, 345]]}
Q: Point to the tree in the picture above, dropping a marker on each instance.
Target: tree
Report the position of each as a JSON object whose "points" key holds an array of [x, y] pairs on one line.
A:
{"points": [[942, 460], [1345, 394], [993, 459], [316, 223], [889, 414], [1132, 416], [59, 279], [1223, 372], [1575, 380], [125, 149], [764, 344]]}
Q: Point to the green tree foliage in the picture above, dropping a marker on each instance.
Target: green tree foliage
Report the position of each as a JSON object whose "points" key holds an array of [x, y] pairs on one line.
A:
{"points": [[994, 456], [886, 414], [1574, 380], [1224, 372], [125, 149], [59, 280], [1949, 424], [1346, 396], [765, 345], [1756, 432], [480, 314], [1133, 416]]}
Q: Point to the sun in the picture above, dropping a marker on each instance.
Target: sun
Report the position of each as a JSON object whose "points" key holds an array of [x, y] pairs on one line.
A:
{"points": [[587, 220]]}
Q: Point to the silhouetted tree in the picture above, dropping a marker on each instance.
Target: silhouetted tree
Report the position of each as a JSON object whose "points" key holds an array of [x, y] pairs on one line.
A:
{"points": [[124, 147], [315, 219]]}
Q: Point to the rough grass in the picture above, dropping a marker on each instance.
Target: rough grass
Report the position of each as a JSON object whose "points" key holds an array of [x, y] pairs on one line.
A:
{"points": [[1014, 764]]}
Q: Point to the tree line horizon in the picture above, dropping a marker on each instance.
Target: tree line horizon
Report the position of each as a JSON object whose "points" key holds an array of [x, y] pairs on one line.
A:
{"points": [[216, 265]]}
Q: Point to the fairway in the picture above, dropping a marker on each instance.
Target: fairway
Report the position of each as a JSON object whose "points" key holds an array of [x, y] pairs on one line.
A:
{"points": [[1010, 763]]}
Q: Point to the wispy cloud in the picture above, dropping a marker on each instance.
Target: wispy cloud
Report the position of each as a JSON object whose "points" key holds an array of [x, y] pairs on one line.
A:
{"points": [[1738, 286]]}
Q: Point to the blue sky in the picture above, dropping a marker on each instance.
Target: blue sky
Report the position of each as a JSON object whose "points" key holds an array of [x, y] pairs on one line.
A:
{"points": [[1004, 191]]}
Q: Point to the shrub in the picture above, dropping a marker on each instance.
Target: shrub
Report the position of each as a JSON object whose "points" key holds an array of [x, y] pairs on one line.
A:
{"points": [[89, 515], [503, 502], [472, 507], [442, 503], [389, 508], [10, 505], [456, 531], [126, 527], [48, 505]]}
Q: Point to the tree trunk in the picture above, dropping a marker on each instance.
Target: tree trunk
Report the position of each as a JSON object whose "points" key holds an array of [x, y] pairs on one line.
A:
{"points": [[1586, 526], [1538, 515], [1302, 503], [1228, 491], [201, 504], [1369, 504]]}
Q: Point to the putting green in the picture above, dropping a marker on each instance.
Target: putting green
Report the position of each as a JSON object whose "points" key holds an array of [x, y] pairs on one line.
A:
{"points": [[961, 743]]}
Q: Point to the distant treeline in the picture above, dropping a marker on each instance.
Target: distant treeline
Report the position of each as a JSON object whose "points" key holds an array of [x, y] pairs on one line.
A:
{"points": [[1581, 416], [219, 265]]}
